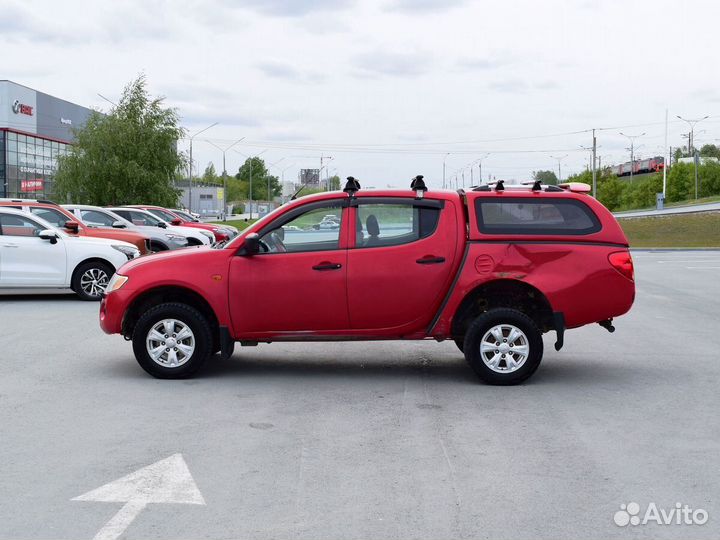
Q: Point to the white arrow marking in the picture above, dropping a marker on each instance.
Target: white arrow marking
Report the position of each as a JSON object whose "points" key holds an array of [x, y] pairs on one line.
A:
{"points": [[166, 481]]}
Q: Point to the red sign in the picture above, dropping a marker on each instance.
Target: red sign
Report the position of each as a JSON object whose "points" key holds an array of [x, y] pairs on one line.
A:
{"points": [[21, 108], [27, 186]]}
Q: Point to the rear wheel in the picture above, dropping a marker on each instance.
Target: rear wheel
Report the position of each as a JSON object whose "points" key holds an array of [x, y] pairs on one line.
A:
{"points": [[90, 278], [503, 346], [172, 341]]}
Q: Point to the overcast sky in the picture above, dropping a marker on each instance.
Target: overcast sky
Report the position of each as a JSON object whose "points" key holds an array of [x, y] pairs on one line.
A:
{"points": [[388, 87]]}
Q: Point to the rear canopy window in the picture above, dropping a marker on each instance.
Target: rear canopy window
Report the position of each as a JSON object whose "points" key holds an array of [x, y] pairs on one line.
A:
{"points": [[533, 216]]}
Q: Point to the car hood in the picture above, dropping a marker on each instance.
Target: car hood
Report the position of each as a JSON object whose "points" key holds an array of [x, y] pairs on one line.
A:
{"points": [[180, 256], [119, 234], [98, 241]]}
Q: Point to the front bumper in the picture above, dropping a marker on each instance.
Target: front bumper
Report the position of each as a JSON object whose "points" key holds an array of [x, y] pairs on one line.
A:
{"points": [[112, 311]]}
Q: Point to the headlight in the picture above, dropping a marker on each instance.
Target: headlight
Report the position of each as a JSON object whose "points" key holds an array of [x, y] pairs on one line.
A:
{"points": [[115, 283], [176, 238], [129, 251], [210, 235]]}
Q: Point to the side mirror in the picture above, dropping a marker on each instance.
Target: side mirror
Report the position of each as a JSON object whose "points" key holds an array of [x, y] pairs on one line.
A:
{"points": [[118, 225], [72, 226], [162, 225], [48, 234], [251, 246], [176, 222]]}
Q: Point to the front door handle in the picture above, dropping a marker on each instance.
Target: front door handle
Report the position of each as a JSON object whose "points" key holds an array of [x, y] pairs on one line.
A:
{"points": [[11, 245], [430, 259], [324, 266]]}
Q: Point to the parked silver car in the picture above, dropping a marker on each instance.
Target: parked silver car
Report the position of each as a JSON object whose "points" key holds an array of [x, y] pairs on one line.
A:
{"points": [[96, 216], [141, 217]]}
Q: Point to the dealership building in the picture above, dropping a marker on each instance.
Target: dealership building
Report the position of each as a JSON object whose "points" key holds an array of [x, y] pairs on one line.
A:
{"points": [[35, 128]]}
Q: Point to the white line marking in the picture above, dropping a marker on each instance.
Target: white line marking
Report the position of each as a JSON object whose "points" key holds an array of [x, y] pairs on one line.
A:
{"points": [[703, 267], [166, 481]]}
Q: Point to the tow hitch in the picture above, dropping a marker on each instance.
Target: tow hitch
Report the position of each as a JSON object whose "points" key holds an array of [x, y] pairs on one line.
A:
{"points": [[607, 325]]}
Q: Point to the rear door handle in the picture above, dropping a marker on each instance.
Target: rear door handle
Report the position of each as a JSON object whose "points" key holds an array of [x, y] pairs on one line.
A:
{"points": [[327, 266], [11, 245], [429, 259]]}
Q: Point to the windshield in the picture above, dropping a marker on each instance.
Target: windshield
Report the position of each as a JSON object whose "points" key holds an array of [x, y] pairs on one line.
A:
{"points": [[163, 214], [184, 215]]}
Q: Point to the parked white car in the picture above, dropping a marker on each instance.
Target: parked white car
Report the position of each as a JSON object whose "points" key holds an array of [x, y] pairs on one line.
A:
{"points": [[34, 254], [147, 219]]}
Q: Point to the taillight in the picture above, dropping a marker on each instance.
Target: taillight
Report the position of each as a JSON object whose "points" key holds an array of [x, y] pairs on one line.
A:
{"points": [[623, 263]]}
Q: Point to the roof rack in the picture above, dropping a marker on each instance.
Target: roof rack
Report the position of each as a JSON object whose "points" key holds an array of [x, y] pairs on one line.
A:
{"points": [[535, 186], [351, 186]]}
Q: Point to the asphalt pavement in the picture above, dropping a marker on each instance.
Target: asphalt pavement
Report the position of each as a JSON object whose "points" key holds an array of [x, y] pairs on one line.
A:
{"points": [[366, 440]]}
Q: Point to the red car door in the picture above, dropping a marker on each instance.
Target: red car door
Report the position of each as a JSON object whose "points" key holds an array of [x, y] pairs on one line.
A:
{"points": [[296, 286], [401, 264]]}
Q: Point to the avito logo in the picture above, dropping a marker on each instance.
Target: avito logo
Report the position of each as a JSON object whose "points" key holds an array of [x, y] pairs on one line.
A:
{"points": [[629, 514]]}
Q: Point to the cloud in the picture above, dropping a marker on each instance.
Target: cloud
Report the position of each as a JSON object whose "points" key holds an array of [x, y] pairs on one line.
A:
{"points": [[279, 70], [423, 6], [379, 63], [484, 63], [509, 85], [296, 8]]}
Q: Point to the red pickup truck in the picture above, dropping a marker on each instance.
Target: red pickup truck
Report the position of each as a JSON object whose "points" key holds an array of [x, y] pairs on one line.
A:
{"points": [[492, 268]]}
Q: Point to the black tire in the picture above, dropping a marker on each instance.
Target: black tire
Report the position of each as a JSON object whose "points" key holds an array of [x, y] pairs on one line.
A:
{"points": [[89, 291], [188, 316], [482, 325], [460, 343]]}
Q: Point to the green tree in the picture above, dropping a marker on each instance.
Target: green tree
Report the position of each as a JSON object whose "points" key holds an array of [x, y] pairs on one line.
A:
{"points": [[680, 182], [209, 176], [710, 150], [334, 182], [255, 167], [128, 156], [609, 191], [545, 177]]}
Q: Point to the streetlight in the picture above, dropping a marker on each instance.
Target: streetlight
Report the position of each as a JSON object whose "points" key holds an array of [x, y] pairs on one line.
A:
{"points": [[444, 159], [224, 150], [268, 184], [559, 159], [480, 160], [691, 145], [632, 151], [191, 163]]}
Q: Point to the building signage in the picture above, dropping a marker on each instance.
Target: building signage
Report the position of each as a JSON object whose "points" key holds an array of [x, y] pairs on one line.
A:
{"points": [[66, 121], [22, 108], [27, 186]]}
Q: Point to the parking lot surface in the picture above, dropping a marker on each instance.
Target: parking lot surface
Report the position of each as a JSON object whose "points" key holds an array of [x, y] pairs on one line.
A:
{"points": [[372, 440]]}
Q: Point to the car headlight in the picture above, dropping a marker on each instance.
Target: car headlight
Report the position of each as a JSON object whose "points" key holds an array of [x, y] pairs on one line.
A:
{"points": [[210, 235], [178, 239], [115, 283], [129, 251]]}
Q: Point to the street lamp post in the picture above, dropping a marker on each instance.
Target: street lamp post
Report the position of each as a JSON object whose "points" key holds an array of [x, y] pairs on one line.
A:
{"points": [[444, 159], [559, 159], [224, 150], [632, 151], [268, 183], [691, 145], [190, 178]]}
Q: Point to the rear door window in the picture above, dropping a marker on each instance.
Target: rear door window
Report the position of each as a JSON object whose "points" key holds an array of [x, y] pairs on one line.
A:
{"points": [[388, 224], [55, 217], [519, 215]]}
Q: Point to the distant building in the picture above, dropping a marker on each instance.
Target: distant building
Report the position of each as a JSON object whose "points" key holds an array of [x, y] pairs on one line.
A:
{"points": [[35, 128], [206, 200], [310, 177]]}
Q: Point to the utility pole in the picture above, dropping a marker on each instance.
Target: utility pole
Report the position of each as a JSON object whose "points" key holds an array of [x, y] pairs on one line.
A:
{"points": [[444, 159], [691, 146], [666, 153], [480, 160], [320, 171], [224, 150], [594, 172], [190, 177], [559, 159], [632, 151]]}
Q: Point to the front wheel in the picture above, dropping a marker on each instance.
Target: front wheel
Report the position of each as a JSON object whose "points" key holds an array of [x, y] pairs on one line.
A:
{"points": [[503, 346], [172, 341], [90, 279]]}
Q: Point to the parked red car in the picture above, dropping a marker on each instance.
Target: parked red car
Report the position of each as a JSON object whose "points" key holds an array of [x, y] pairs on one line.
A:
{"points": [[492, 269], [222, 233]]}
